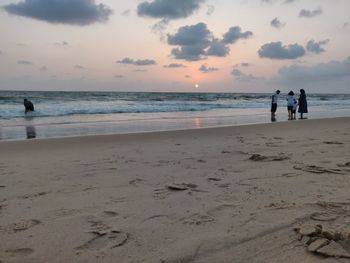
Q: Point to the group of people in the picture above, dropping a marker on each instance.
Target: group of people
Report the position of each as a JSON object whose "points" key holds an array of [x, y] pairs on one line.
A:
{"points": [[292, 105]]}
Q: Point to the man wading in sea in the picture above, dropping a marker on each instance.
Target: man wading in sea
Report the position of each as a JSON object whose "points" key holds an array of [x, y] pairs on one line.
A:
{"points": [[274, 99], [28, 105]]}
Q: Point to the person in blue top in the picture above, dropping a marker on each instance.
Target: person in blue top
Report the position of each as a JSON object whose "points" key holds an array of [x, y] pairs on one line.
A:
{"points": [[302, 102]]}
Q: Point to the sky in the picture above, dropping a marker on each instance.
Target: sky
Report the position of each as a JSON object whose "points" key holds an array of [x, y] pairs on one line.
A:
{"points": [[175, 45]]}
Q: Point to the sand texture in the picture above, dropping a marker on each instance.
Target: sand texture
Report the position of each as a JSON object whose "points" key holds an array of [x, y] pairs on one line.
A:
{"points": [[269, 193]]}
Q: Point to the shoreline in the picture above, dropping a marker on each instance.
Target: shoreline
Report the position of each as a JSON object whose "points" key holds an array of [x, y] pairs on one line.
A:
{"points": [[34, 136], [201, 196]]}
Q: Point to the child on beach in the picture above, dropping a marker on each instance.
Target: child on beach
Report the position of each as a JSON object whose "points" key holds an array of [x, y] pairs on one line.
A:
{"points": [[290, 105], [294, 111]]}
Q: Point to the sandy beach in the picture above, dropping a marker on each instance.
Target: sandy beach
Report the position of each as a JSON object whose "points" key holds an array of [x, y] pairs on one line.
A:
{"points": [[269, 193]]}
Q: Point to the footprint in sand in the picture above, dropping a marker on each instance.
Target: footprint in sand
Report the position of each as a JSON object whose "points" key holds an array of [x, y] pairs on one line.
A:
{"points": [[197, 219], [17, 253], [104, 237], [23, 225], [263, 158], [110, 213]]}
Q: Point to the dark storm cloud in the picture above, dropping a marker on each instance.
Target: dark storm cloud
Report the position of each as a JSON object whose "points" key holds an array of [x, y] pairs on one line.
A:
{"points": [[168, 9], [197, 41], [137, 62], [118, 76], [24, 62], [205, 69], [316, 47], [275, 50], [289, 1], [331, 71], [310, 13], [73, 12], [43, 69], [174, 65], [276, 23]]}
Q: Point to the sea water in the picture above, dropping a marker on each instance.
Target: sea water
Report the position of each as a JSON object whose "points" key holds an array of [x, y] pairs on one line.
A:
{"points": [[60, 114]]}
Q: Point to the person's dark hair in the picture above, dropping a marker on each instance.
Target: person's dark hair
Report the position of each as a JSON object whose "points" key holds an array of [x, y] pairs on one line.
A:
{"points": [[291, 93], [25, 100], [278, 91], [302, 91]]}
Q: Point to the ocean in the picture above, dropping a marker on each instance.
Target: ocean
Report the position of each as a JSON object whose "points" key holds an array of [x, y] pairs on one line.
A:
{"points": [[62, 114]]}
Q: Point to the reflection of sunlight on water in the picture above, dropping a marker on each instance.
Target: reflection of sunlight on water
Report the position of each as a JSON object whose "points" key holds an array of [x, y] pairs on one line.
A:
{"points": [[197, 122]]}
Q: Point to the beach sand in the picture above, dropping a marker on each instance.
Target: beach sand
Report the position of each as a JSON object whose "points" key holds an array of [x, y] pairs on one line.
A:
{"points": [[252, 193]]}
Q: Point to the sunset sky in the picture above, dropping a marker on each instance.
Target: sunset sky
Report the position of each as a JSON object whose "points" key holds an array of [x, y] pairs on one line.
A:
{"points": [[175, 45]]}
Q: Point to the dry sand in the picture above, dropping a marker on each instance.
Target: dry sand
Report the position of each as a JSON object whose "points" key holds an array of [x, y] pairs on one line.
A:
{"points": [[237, 194]]}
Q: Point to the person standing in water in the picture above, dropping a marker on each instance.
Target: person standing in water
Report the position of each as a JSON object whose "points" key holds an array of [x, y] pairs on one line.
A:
{"points": [[302, 102], [290, 104], [28, 106], [274, 99]]}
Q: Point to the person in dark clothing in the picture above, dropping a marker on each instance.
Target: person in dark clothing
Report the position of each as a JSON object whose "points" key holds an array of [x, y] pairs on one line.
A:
{"points": [[274, 99], [302, 103], [28, 105]]}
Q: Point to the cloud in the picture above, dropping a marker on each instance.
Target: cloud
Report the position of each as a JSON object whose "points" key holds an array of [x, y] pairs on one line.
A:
{"points": [[188, 76], [218, 48], [72, 12], [174, 65], [138, 62], [244, 64], [140, 70], [239, 75], [210, 10], [79, 67], [316, 47], [346, 25], [24, 62], [289, 1], [118, 76], [62, 44], [276, 23], [205, 69], [126, 12], [197, 41], [310, 13], [193, 40], [275, 50], [332, 71], [0, 52], [169, 9], [234, 34], [43, 69]]}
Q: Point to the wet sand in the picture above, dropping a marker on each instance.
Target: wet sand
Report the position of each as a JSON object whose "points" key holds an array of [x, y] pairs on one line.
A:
{"points": [[256, 193]]}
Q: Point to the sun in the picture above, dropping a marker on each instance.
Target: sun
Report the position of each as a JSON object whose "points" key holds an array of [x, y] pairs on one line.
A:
{"points": [[196, 86]]}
